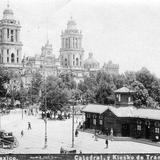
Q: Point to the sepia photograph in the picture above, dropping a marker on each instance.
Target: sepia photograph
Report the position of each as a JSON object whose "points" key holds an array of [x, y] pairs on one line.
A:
{"points": [[80, 78]]}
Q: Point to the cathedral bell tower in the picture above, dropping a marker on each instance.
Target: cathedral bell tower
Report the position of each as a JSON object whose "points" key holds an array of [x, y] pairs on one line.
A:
{"points": [[10, 45], [71, 52]]}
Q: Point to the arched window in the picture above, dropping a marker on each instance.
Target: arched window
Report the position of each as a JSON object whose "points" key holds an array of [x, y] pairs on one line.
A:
{"points": [[12, 58], [157, 124], [77, 61]]}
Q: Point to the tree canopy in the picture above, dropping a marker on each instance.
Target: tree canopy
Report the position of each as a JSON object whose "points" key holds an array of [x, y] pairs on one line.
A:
{"points": [[95, 88], [100, 87]]}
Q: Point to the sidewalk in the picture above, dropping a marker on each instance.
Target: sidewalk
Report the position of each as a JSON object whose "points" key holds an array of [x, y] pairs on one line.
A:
{"points": [[139, 140]]}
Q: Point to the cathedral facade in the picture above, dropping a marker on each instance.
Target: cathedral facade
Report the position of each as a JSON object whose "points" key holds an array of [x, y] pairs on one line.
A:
{"points": [[10, 44], [70, 59], [71, 51]]}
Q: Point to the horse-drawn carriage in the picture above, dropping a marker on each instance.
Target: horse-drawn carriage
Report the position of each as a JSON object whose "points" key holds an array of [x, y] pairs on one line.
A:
{"points": [[7, 140]]}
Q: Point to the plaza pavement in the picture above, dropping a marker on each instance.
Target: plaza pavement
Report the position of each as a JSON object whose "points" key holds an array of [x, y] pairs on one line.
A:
{"points": [[60, 134]]}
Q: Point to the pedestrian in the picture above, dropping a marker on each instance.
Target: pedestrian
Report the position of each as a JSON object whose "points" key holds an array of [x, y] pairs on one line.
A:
{"points": [[106, 142], [76, 133], [111, 134], [29, 126], [22, 133], [95, 135]]}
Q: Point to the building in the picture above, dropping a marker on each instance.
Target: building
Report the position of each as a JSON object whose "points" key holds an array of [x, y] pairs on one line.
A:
{"points": [[111, 68], [71, 51], [91, 64], [46, 59], [124, 118], [10, 44], [46, 63], [70, 59]]}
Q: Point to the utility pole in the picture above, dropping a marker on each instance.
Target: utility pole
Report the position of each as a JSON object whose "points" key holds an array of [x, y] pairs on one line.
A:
{"points": [[21, 96], [72, 102], [45, 107], [73, 125]]}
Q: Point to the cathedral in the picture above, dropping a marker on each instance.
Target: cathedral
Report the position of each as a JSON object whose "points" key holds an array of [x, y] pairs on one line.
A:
{"points": [[70, 59]]}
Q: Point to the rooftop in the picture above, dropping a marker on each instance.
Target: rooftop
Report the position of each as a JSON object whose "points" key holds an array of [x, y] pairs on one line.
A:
{"points": [[94, 108], [124, 90], [130, 111]]}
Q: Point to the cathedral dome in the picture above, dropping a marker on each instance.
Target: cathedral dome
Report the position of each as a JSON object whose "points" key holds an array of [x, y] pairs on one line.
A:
{"points": [[8, 13], [71, 25], [90, 62]]}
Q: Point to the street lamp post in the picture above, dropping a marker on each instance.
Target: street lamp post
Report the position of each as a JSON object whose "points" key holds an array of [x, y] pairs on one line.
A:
{"points": [[73, 103], [45, 107], [22, 99], [73, 126], [45, 120], [21, 96]]}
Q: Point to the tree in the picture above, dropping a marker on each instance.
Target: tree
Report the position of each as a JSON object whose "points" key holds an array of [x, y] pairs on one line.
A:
{"points": [[105, 88], [56, 94], [130, 77], [88, 89], [105, 94], [21, 95], [35, 88], [141, 94], [146, 78], [151, 103], [4, 78], [68, 80], [155, 92], [119, 80]]}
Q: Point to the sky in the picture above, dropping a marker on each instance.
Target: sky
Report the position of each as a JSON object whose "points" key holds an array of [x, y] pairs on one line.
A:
{"points": [[124, 31]]}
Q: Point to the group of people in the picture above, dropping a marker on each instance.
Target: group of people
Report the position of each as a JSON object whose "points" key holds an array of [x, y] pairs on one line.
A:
{"points": [[58, 116], [109, 136], [29, 128], [31, 112]]}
